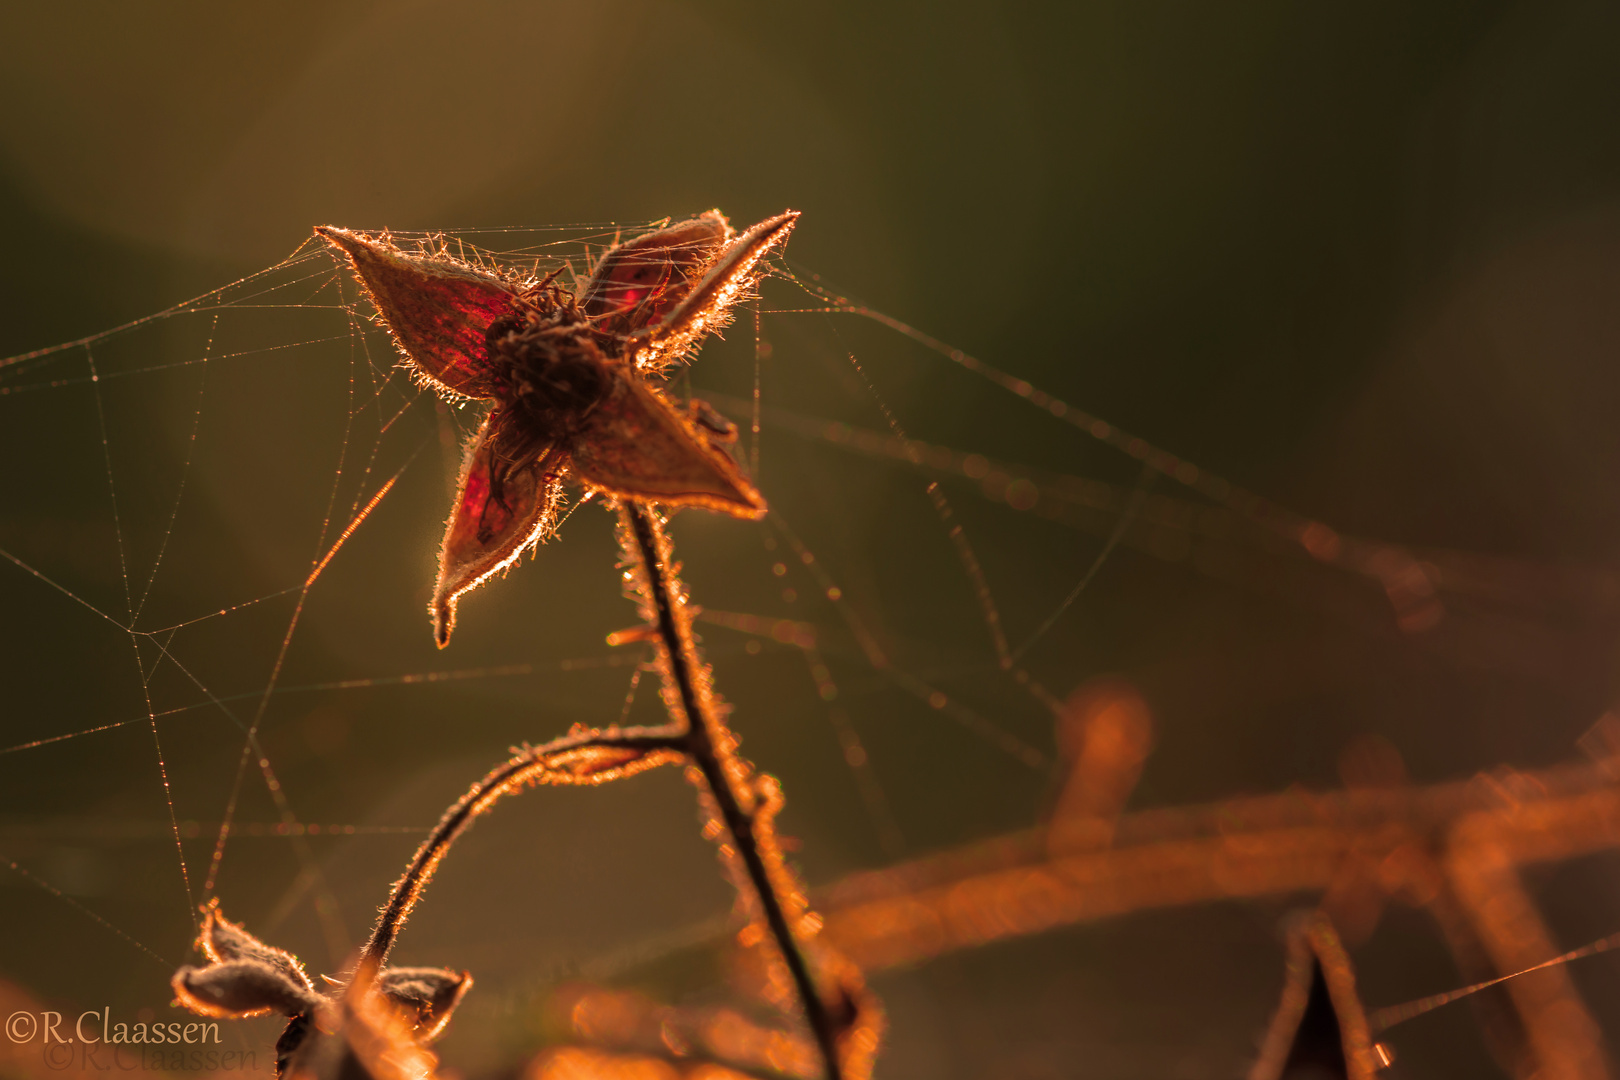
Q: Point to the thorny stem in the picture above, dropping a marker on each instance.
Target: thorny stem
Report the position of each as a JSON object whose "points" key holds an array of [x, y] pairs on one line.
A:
{"points": [[699, 743]]}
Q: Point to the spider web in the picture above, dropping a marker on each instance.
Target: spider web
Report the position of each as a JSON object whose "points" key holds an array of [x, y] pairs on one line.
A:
{"points": [[219, 554]]}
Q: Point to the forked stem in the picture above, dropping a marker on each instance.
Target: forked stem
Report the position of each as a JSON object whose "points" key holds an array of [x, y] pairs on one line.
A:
{"points": [[696, 734], [706, 743]]}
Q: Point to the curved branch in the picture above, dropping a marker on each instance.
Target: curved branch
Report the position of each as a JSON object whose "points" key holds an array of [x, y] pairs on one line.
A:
{"points": [[744, 803], [587, 757]]}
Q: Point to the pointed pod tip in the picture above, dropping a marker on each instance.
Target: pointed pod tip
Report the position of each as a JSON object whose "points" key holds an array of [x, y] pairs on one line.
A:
{"points": [[764, 234], [757, 239], [780, 223], [745, 503], [444, 621], [345, 239]]}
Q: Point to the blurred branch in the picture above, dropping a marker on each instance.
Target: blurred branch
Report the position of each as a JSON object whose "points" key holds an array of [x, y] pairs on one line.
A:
{"points": [[1292, 841], [1453, 849]]}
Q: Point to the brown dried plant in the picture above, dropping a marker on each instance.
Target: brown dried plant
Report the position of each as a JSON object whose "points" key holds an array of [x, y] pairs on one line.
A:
{"points": [[568, 379], [571, 384], [1319, 1028], [1453, 850], [572, 379]]}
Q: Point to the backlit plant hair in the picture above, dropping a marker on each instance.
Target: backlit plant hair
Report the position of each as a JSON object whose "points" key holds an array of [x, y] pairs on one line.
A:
{"points": [[571, 382]]}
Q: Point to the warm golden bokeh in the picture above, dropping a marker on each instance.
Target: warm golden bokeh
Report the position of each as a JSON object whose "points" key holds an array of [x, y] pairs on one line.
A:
{"points": [[1187, 435]]}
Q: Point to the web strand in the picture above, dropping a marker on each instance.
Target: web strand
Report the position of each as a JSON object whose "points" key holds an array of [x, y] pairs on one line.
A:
{"points": [[1126, 519], [68, 900], [129, 605], [1381, 1020], [1412, 592], [935, 698], [250, 745], [187, 307], [953, 528], [185, 472], [870, 661]]}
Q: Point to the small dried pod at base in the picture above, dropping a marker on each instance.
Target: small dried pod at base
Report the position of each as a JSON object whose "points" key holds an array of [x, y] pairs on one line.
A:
{"points": [[360, 1036], [429, 995], [244, 976], [373, 1026]]}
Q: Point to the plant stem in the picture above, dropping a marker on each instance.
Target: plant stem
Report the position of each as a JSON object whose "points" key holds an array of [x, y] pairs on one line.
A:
{"points": [[697, 734], [589, 757], [702, 740]]}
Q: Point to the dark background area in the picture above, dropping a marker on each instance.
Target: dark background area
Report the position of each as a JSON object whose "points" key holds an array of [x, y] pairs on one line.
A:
{"points": [[1361, 258]]}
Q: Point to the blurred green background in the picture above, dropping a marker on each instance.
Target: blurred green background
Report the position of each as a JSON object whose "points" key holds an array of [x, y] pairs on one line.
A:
{"points": [[1362, 258]]}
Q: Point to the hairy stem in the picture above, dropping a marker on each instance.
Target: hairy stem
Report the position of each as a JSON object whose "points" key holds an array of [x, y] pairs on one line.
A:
{"points": [[697, 734], [589, 757], [707, 743]]}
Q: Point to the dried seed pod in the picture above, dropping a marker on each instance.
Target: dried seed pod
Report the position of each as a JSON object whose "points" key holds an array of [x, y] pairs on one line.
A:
{"points": [[567, 379], [241, 988], [374, 1026], [244, 976], [430, 994]]}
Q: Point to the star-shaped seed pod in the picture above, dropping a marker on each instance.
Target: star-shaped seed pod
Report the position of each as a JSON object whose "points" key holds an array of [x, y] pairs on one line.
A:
{"points": [[570, 380], [245, 977]]}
